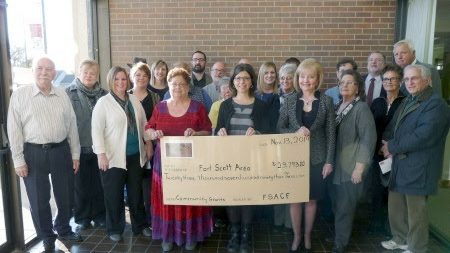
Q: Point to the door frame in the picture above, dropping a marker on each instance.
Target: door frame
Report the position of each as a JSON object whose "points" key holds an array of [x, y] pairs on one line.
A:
{"points": [[10, 183]]}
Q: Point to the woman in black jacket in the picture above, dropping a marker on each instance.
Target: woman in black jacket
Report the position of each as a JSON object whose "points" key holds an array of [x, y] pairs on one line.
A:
{"points": [[310, 113], [242, 114], [383, 109]]}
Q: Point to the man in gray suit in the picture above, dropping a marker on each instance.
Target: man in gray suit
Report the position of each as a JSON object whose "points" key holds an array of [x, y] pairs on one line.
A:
{"points": [[415, 140], [405, 54]]}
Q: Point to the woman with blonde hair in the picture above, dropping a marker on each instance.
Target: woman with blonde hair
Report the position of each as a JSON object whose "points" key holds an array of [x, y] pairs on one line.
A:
{"points": [[267, 91], [158, 78], [310, 113], [118, 122], [84, 93]]}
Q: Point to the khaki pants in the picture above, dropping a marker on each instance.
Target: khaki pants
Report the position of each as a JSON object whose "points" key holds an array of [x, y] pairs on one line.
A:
{"points": [[408, 219]]}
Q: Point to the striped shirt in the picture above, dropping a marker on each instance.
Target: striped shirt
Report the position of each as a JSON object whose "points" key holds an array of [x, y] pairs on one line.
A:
{"points": [[241, 121], [38, 118]]}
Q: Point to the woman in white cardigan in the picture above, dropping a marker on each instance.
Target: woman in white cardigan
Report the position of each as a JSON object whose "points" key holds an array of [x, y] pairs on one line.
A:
{"points": [[118, 121]]}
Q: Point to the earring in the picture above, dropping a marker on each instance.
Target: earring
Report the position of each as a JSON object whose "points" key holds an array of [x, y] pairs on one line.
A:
{"points": [[251, 86]]}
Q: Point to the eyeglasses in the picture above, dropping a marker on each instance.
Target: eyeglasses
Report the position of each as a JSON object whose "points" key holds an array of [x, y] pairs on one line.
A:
{"points": [[198, 59], [218, 70], [178, 84], [347, 83], [286, 78], [242, 78], [392, 79], [413, 79]]}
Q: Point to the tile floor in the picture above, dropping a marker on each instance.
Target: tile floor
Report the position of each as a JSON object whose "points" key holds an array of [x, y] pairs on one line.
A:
{"points": [[265, 240]]}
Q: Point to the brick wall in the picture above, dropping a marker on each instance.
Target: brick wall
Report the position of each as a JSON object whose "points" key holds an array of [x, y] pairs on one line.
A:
{"points": [[259, 30]]}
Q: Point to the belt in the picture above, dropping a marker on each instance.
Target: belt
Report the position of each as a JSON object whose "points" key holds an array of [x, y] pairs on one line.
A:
{"points": [[86, 150], [47, 145]]}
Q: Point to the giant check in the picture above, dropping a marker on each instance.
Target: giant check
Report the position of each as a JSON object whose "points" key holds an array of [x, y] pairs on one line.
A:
{"points": [[235, 170]]}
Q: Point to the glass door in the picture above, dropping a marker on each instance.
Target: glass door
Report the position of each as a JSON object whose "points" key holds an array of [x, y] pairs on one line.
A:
{"points": [[39, 27], [6, 241], [439, 205]]}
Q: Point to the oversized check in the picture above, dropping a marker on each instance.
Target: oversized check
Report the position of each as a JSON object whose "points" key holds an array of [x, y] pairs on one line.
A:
{"points": [[235, 170]]}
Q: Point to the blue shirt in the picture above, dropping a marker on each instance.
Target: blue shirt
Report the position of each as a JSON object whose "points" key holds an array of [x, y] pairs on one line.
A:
{"points": [[334, 94]]}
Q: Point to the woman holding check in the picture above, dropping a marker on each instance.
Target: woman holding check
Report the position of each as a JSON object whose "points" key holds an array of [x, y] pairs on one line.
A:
{"points": [[310, 113], [242, 114], [177, 116]]}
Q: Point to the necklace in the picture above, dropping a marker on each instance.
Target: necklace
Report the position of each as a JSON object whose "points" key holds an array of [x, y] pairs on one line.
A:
{"points": [[308, 101]]}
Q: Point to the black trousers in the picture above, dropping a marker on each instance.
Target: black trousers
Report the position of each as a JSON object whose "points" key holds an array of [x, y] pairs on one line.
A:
{"points": [[89, 202], [56, 162], [379, 196], [113, 181], [146, 187], [326, 207], [240, 214]]}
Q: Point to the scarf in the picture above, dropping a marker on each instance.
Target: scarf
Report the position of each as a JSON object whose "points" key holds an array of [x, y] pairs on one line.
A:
{"points": [[346, 110], [88, 97], [129, 112]]}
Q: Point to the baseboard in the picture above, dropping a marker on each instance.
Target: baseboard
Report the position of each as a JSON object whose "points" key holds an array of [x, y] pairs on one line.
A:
{"points": [[445, 184], [439, 236]]}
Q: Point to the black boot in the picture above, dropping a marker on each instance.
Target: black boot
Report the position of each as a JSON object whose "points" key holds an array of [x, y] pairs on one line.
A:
{"points": [[233, 243], [245, 239]]}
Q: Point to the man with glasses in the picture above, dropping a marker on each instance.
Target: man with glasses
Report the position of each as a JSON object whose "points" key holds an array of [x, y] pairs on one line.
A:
{"points": [[213, 89], [373, 84], [405, 54], [415, 140], [199, 77]]}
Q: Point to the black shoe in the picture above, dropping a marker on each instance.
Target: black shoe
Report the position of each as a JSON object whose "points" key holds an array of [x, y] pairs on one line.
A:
{"points": [[99, 224], [294, 251], [84, 225], [233, 243], [147, 232], [297, 249], [49, 245], [330, 239], [338, 249], [245, 240], [219, 223], [71, 236], [277, 229], [115, 237]]}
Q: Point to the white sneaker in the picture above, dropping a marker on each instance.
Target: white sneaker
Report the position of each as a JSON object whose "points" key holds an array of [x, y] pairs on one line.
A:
{"points": [[407, 251], [391, 244], [166, 246]]}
